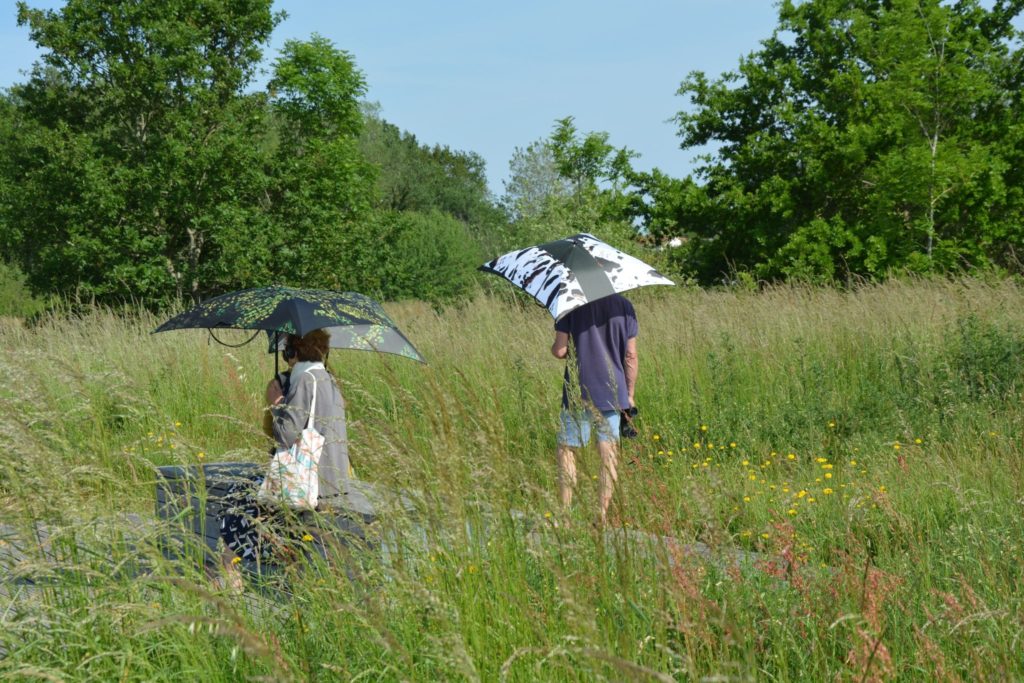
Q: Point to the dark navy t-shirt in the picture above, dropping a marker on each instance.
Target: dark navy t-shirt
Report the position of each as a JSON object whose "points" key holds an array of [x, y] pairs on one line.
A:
{"points": [[599, 332]]}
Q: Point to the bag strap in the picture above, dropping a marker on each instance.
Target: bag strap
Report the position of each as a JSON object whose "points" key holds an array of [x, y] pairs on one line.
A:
{"points": [[310, 423]]}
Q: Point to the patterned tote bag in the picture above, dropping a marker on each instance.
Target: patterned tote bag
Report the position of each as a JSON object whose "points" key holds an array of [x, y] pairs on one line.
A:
{"points": [[293, 479]]}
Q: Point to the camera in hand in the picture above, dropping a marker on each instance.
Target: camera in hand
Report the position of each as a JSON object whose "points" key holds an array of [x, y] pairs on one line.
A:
{"points": [[627, 428]]}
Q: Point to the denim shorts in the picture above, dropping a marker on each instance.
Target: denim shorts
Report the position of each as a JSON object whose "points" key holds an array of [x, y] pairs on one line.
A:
{"points": [[575, 431]]}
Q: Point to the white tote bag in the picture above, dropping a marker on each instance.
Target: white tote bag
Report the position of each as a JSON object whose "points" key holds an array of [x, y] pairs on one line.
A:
{"points": [[293, 479]]}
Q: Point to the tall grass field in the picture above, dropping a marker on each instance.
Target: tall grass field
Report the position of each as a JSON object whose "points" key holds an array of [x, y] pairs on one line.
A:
{"points": [[852, 462]]}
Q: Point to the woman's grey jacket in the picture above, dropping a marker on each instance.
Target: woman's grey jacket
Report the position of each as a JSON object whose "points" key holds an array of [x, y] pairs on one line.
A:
{"points": [[290, 418]]}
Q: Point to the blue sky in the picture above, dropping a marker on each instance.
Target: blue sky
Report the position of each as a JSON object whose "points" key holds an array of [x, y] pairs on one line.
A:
{"points": [[489, 77]]}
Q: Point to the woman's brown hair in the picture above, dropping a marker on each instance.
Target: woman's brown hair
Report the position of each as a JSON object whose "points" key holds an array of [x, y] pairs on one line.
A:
{"points": [[314, 347]]}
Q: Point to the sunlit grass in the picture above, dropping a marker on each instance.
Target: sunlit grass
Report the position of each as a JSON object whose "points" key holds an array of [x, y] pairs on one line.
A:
{"points": [[864, 447]]}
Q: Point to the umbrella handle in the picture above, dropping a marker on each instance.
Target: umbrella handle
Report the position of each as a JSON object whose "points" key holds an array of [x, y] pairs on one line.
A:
{"points": [[231, 346]]}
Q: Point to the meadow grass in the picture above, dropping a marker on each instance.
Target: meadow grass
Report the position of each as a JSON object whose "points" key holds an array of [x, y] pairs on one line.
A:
{"points": [[866, 445]]}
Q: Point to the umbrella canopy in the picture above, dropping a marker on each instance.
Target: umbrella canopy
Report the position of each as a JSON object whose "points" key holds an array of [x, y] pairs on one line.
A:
{"points": [[354, 321], [568, 273]]}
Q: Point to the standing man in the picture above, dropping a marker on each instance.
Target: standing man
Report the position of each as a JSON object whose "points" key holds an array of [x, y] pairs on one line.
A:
{"points": [[603, 334]]}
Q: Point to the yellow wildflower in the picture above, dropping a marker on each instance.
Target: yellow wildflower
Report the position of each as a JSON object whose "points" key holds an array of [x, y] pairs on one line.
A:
{"points": [[827, 492], [307, 538]]}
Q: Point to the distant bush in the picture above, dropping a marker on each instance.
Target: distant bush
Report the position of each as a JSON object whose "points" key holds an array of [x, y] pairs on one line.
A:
{"points": [[16, 300], [986, 357], [412, 255]]}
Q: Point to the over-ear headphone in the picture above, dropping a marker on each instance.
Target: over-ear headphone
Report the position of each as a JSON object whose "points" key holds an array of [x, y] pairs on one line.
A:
{"points": [[289, 350]]}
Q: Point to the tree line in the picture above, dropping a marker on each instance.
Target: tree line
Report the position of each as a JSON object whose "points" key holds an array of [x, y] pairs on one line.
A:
{"points": [[862, 138]]}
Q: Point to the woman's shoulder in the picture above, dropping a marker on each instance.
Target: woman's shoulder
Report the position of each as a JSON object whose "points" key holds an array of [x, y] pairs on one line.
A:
{"points": [[306, 379]]}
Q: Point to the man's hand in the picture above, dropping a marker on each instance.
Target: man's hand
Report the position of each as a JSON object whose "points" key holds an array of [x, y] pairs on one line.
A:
{"points": [[560, 349]]}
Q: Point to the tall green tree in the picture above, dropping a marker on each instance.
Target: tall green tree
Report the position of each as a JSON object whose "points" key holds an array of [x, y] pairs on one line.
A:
{"points": [[320, 182], [131, 147], [535, 180], [588, 193], [863, 136]]}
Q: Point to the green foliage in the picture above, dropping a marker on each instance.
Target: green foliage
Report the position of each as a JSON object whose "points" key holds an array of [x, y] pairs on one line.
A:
{"points": [[570, 182], [139, 167], [314, 89], [986, 358], [417, 177], [131, 147], [860, 138], [16, 300], [411, 255], [534, 181], [320, 181]]}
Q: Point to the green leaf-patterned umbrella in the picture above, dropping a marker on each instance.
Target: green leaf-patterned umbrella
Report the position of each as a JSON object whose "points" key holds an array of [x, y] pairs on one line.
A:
{"points": [[354, 321]]}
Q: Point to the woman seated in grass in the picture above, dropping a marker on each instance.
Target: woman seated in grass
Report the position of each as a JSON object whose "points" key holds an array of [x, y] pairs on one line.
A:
{"points": [[244, 529]]}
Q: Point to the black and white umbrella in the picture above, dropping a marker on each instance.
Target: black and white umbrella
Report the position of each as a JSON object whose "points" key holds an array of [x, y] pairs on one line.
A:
{"points": [[568, 273]]}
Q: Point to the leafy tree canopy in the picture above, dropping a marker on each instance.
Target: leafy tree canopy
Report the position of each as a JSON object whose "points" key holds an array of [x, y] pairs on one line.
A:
{"points": [[429, 179], [863, 136], [139, 165]]}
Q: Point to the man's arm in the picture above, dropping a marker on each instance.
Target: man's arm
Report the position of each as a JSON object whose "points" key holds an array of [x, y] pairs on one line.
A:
{"points": [[560, 349], [631, 365]]}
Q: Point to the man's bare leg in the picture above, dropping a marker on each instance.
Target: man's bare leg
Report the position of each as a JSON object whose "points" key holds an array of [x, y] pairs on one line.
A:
{"points": [[609, 451], [566, 473]]}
